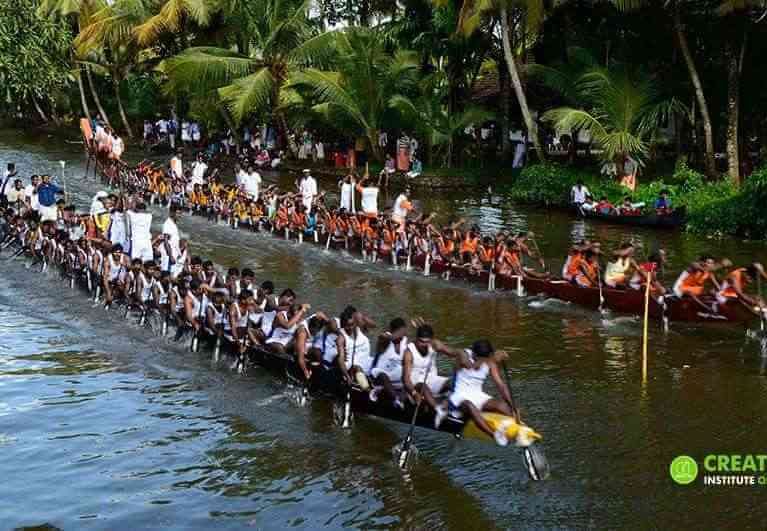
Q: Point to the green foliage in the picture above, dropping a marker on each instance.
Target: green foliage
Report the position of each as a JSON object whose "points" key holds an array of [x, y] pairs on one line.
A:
{"points": [[34, 53]]}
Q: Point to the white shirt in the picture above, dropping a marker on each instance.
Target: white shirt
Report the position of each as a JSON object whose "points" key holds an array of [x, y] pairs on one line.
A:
{"points": [[198, 172], [140, 227], [30, 192], [579, 193], [177, 166], [308, 189], [251, 183], [369, 196], [171, 229], [8, 183], [346, 196], [398, 211]]}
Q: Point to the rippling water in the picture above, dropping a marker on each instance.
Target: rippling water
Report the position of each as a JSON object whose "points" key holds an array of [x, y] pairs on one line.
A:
{"points": [[103, 425]]}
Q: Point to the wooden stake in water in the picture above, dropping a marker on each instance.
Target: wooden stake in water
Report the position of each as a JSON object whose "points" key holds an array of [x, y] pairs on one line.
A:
{"points": [[649, 268]]}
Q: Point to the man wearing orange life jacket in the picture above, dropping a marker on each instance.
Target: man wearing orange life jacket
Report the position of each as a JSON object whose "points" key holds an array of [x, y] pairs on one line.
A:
{"points": [[508, 261], [734, 284], [446, 247], [692, 282], [486, 253], [469, 245], [589, 269], [574, 259]]}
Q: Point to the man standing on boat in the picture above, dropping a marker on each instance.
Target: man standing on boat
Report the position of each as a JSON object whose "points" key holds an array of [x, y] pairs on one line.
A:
{"points": [[46, 197], [7, 184], [578, 194], [140, 223], [308, 189]]}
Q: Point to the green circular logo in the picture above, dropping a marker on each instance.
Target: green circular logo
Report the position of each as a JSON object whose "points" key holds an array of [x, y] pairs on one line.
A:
{"points": [[683, 469]]}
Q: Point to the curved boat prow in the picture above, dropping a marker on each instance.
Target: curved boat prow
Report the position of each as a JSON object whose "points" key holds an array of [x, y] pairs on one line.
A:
{"points": [[521, 434]]}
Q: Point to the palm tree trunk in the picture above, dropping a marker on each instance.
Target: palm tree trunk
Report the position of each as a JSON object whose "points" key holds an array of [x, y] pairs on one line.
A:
{"points": [[710, 165], [532, 128], [123, 116], [96, 97], [39, 109], [83, 98], [734, 67], [503, 81]]}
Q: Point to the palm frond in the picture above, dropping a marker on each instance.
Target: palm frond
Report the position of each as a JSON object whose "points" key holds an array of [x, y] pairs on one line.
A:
{"points": [[205, 68], [249, 94]]}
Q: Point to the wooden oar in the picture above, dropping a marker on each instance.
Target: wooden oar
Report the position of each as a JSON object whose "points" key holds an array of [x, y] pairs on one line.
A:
{"points": [[407, 446], [531, 235], [601, 294], [535, 459], [348, 404]]}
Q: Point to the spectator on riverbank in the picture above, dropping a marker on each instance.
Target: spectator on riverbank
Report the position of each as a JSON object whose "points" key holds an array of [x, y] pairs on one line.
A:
{"points": [[415, 169]]}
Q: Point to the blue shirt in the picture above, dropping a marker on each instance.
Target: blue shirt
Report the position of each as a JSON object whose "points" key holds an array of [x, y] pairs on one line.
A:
{"points": [[46, 194], [662, 203]]}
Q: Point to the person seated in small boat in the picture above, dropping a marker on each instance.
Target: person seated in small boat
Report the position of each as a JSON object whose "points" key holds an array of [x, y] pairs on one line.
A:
{"points": [[508, 261], [734, 285], [618, 272], [651, 266], [354, 358], [588, 205], [420, 375], [486, 253], [262, 159], [693, 281], [588, 275], [628, 208], [303, 341], [469, 399], [663, 203], [605, 207]]}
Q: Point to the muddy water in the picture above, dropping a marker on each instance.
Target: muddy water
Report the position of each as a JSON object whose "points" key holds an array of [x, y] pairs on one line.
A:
{"points": [[104, 426]]}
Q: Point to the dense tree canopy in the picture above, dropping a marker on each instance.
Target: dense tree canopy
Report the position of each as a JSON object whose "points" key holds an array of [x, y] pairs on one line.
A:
{"points": [[432, 67]]}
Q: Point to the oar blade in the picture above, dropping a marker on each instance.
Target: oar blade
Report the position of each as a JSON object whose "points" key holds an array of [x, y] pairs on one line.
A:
{"points": [[536, 463]]}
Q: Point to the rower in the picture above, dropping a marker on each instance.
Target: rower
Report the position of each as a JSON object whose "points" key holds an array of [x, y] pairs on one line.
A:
{"points": [[734, 284], [692, 282], [420, 374], [572, 264], [114, 270], [468, 397], [271, 307], [653, 264], [284, 327], [618, 272], [193, 305], [235, 319], [303, 341], [354, 354], [387, 366], [588, 271]]}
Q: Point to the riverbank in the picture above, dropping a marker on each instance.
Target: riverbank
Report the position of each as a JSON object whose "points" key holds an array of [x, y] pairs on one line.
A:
{"points": [[715, 209], [444, 179]]}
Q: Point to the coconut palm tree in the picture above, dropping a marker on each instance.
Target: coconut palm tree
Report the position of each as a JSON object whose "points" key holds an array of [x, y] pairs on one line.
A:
{"points": [[621, 111], [282, 41], [471, 16], [108, 42], [75, 10], [361, 85], [435, 123]]}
